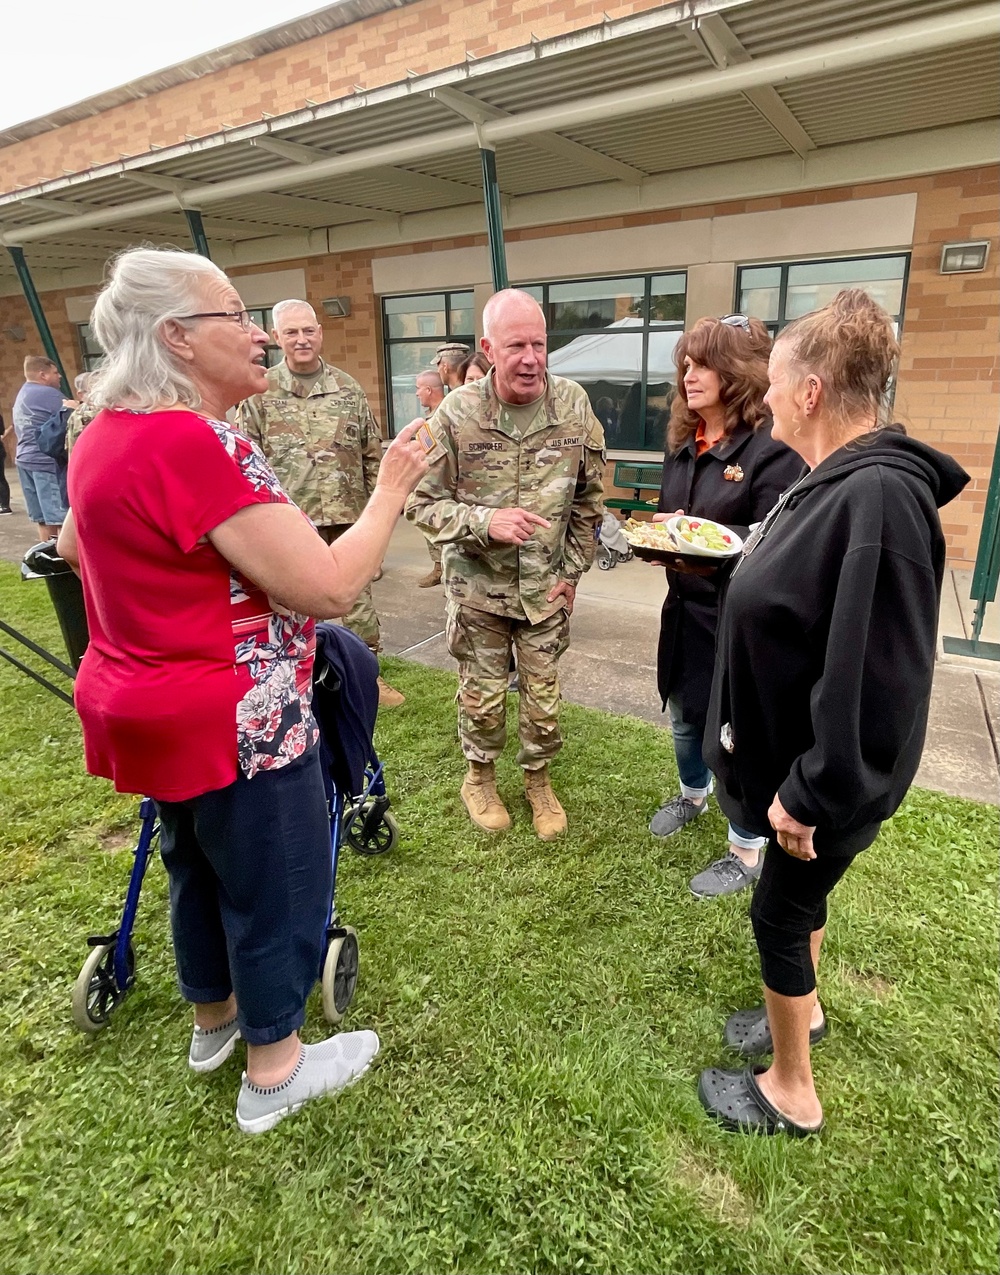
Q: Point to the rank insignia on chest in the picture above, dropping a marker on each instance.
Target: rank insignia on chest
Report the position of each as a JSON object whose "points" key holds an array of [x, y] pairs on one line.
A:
{"points": [[733, 474]]}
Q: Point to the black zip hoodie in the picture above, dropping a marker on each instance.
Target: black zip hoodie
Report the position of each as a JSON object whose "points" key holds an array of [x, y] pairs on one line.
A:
{"points": [[826, 643]]}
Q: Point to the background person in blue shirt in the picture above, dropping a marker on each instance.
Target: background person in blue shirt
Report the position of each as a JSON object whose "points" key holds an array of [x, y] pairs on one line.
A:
{"points": [[43, 481]]}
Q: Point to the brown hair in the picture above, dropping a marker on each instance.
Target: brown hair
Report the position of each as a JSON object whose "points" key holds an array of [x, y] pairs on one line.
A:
{"points": [[851, 347], [738, 358], [478, 359], [36, 363]]}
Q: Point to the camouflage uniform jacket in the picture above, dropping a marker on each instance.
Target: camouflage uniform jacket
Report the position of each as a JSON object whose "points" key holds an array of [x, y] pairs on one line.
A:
{"points": [[478, 465], [322, 442], [77, 421]]}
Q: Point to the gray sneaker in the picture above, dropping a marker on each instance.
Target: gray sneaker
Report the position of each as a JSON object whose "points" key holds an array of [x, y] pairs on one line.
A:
{"points": [[328, 1067], [727, 875], [674, 814], [210, 1047]]}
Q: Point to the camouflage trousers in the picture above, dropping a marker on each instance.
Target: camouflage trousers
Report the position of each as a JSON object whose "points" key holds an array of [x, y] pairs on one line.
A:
{"points": [[435, 552], [361, 619], [482, 645]]}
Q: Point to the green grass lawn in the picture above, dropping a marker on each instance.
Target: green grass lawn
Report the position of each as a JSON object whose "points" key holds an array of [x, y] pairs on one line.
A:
{"points": [[544, 1012]]}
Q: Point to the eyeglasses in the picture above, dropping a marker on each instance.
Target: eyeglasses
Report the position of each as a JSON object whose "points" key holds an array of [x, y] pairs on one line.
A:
{"points": [[242, 316], [736, 321]]}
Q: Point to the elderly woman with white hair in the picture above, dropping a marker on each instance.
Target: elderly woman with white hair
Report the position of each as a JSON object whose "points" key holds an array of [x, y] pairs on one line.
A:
{"points": [[200, 580]]}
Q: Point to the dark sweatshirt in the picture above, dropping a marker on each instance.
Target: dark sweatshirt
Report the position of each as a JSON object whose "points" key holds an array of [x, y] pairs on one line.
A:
{"points": [[826, 644]]}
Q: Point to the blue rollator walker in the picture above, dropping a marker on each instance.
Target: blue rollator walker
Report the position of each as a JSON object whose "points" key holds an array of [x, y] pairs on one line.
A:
{"points": [[345, 701]]}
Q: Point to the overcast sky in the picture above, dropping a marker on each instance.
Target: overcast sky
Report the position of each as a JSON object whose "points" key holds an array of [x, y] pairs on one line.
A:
{"points": [[56, 53]]}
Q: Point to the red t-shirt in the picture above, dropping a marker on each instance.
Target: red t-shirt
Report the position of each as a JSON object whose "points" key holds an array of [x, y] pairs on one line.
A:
{"points": [[190, 673]]}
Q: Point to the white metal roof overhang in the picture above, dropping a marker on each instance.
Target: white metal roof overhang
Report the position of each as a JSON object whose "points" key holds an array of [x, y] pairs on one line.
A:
{"points": [[621, 114]]}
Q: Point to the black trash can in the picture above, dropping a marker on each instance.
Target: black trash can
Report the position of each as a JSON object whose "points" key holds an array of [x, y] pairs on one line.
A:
{"points": [[41, 562]]}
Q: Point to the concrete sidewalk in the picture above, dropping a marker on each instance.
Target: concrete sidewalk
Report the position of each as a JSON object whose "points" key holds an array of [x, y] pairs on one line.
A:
{"points": [[611, 663]]}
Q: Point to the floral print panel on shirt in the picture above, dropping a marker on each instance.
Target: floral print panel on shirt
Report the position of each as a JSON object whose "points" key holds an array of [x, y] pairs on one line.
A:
{"points": [[275, 648]]}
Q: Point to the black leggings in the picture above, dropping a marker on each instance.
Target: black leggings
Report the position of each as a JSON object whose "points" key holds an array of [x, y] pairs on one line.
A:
{"points": [[789, 903]]}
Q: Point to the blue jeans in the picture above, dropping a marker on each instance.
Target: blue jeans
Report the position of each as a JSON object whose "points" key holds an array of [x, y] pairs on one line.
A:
{"points": [[250, 874], [44, 496], [696, 778]]}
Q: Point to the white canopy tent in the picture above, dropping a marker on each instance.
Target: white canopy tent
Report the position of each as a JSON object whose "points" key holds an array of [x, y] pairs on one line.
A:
{"points": [[614, 355]]}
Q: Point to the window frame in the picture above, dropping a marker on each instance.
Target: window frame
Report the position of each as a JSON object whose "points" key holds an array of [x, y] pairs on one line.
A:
{"points": [[89, 359], [390, 342], [774, 326], [672, 325]]}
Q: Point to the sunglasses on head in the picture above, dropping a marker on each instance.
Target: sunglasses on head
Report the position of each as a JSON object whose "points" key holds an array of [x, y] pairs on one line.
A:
{"points": [[736, 321]]}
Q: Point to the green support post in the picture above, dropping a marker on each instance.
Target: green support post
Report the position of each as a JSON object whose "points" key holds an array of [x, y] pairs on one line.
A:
{"points": [[985, 574], [37, 313], [494, 219], [197, 229]]}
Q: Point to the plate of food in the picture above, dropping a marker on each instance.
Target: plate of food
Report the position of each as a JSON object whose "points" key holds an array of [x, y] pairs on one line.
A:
{"points": [[703, 538], [668, 544]]}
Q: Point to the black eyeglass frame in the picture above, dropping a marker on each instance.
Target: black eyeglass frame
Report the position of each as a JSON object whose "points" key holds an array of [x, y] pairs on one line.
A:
{"points": [[244, 316]]}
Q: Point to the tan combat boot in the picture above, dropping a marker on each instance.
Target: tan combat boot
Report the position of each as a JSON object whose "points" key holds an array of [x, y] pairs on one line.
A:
{"points": [[481, 799], [432, 578], [388, 696], [548, 815]]}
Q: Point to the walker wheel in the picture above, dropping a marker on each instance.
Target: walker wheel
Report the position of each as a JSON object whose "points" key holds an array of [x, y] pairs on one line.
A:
{"points": [[340, 974], [378, 840], [96, 994]]}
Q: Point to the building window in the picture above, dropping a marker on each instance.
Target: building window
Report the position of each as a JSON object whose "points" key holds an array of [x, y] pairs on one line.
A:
{"points": [[263, 317], [412, 329], [778, 294], [616, 338], [90, 352]]}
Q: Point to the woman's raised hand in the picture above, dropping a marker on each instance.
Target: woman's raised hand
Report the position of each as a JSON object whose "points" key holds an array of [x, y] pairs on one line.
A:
{"points": [[404, 462]]}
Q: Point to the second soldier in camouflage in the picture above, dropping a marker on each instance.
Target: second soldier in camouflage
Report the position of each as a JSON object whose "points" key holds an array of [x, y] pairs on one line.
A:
{"points": [[315, 427]]}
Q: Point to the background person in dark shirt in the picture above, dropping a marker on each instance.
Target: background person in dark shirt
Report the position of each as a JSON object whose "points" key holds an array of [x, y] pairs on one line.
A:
{"points": [[4, 485], [823, 677]]}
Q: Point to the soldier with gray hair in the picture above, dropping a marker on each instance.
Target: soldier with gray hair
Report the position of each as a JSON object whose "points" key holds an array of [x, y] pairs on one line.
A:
{"points": [[315, 427], [513, 495]]}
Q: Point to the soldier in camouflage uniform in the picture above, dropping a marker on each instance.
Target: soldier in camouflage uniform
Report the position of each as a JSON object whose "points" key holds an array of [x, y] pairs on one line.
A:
{"points": [[449, 360], [430, 394], [82, 414], [315, 427], [513, 495]]}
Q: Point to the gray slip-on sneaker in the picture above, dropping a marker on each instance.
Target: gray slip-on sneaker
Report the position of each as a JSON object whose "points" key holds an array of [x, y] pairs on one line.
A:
{"points": [[674, 814], [210, 1047], [727, 875], [328, 1067]]}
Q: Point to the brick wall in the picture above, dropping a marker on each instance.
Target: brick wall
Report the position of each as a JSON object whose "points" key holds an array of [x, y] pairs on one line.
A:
{"points": [[375, 52], [948, 392], [14, 313], [948, 376], [948, 387]]}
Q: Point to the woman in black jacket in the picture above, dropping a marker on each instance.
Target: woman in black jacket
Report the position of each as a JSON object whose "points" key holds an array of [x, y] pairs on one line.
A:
{"points": [[722, 463], [823, 677]]}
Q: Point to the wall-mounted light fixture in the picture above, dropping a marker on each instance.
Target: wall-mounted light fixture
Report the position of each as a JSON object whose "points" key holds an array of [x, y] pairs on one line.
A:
{"points": [[337, 307], [964, 258]]}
